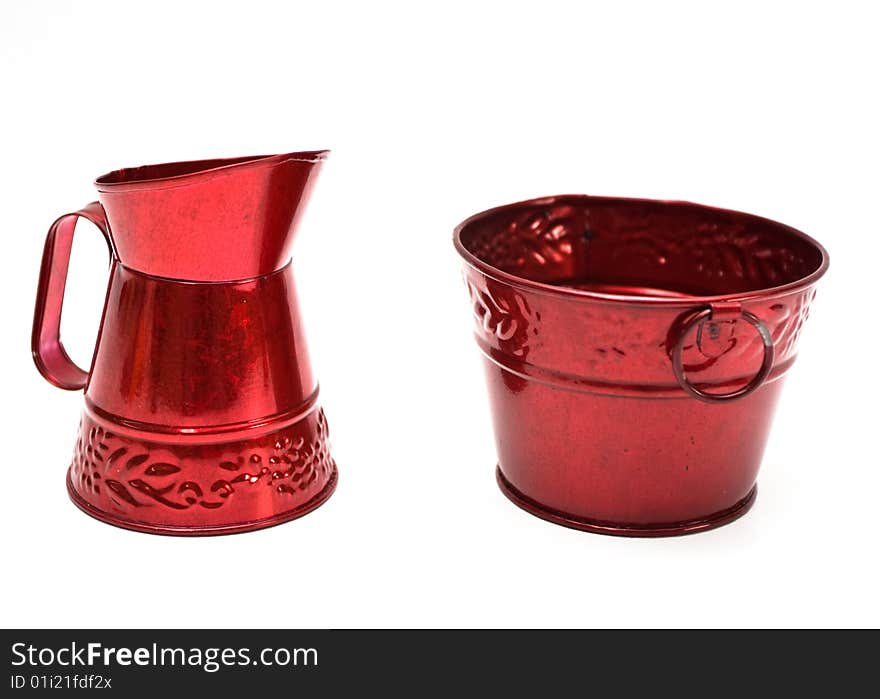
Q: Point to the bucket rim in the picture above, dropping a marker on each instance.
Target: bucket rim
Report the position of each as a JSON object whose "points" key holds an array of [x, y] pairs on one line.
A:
{"points": [[569, 292]]}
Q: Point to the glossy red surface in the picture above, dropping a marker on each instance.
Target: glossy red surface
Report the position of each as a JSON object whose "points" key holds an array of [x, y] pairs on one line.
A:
{"points": [[634, 352], [201, 411]]}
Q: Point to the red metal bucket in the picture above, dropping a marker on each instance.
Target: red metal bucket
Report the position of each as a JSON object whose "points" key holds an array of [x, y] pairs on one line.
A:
{"points": [[634, 352]]}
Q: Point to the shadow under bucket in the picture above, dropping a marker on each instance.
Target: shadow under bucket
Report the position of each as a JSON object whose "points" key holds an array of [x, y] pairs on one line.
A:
{"points": [[634, 352]]}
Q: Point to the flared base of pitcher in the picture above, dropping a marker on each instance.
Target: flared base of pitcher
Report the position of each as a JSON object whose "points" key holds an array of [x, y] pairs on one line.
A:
{"points": [[211, 530], [617, 529], [202, 484]]}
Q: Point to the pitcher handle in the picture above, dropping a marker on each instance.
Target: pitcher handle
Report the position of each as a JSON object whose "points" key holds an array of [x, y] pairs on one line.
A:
{"points": [[50, 356]]}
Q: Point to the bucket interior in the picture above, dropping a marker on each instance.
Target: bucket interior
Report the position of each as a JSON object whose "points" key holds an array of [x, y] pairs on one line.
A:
{"points": [[640, 247]]}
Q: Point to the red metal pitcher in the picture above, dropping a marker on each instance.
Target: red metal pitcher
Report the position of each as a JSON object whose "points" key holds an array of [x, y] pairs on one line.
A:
{"points": [[201, 411], [634, 352]]}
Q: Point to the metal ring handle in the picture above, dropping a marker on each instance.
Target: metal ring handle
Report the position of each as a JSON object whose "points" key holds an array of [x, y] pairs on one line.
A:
{"points": [[757, 380]]}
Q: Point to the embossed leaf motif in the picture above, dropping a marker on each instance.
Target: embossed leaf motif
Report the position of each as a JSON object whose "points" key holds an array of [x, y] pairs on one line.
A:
{"points": [[161, 469], [136, 461], [113, 458], [534, 240], [89, 457], [287, 460], [503, 316], [122, 492]]}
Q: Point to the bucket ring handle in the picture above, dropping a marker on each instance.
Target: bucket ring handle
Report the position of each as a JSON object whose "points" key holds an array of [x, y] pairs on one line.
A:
{"points": [[678, 365]]}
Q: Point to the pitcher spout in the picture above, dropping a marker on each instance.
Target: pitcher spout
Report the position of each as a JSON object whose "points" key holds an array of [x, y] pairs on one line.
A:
{"points": [[209, 220]]}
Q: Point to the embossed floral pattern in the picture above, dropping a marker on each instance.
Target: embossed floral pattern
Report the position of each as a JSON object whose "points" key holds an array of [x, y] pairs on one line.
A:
{"points": [[504, 322], [124, 474], [538, 238], [501, 315]]}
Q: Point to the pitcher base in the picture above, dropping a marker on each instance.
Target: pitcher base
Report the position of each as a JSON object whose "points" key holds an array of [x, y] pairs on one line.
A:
{"points": [[613, 529], [147, 528]]}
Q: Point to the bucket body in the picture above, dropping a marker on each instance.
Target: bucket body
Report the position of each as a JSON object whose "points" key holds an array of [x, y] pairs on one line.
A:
{"points": [[634, 352], [201, 411]]}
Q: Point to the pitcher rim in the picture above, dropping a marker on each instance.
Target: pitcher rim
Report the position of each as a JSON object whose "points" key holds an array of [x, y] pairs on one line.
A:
{"points": [[192, 170], [572, 293]]}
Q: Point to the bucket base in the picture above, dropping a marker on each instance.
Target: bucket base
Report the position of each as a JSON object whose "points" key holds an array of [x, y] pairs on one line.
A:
{"points": [[312, 504], [588, 525]]}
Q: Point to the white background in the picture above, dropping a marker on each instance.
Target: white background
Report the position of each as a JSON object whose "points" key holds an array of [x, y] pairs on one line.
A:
{"points": [[433, 114]]}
